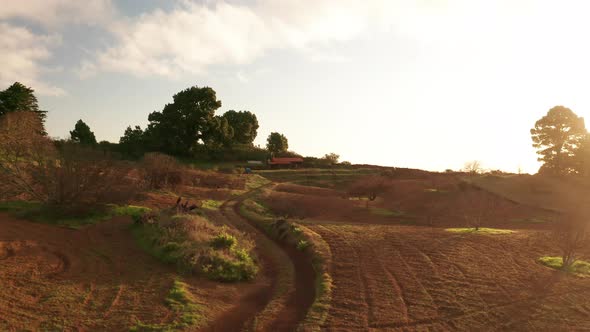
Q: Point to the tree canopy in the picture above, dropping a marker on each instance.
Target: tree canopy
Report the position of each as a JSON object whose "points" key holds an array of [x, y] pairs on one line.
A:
{"points": [[82, 134], [19, 97], [276, 143], [332, 158], [133, 142], [244, 124], [220, 134], [558, 136], [186, 121]]}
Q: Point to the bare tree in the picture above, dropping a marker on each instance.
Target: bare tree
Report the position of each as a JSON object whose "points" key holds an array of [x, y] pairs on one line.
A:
{"points": [[571, 234], [22, 149], [473, 167], [369, 187], [32, 167], [477, 206]]}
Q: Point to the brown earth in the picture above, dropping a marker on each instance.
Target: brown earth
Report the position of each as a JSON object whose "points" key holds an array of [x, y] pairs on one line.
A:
{"points": [[93, 279], [416, 278], [404, 272]]}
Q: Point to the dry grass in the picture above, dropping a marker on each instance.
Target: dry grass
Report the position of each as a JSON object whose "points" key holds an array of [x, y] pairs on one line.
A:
{"points": [[189, 242]]}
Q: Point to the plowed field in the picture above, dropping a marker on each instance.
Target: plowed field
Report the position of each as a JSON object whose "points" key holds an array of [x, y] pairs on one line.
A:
{"points": [[420, 278]]}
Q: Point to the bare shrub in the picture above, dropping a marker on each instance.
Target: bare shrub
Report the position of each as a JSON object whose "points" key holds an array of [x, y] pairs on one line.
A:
{"points": [[572, 235], [287, 206], [369, 187], [161, 171], [71, 176], [85, 176], [23, 149], [473, 167], [476, 205]]}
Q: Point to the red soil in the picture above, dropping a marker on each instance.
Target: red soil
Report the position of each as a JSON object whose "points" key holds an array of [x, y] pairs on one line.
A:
{"points": [[297, 301], [92, 279], [415, 278]]}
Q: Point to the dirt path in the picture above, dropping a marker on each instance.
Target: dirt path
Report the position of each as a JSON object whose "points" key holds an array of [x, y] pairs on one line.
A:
{"points": [[98, 279], [283, 305]]}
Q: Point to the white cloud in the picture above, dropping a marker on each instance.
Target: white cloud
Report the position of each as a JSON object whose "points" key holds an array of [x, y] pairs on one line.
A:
{"points": [[194, 36], [22, 52], [59, 12]]}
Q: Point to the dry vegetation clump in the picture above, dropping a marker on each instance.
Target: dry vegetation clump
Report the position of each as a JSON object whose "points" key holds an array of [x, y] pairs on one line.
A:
{"points": [[369, 187], [572, 235], [213, 180], [196, 245], [161, 171], [69, 175]]}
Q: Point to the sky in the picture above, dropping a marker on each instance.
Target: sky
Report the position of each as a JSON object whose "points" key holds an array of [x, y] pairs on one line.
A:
{"points": [[427, 84]]}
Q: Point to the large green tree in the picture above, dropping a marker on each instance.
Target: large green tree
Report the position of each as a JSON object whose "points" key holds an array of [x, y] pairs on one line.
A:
{"points": [[82, 134], [276, 143], [133, 142], [244, 124], [219, 134], [558, 137], [19, 97], [185, 122]]}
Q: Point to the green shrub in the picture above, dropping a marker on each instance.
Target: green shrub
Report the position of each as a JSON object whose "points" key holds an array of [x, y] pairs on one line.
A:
{"points": [[223, 241], [223, 268], [193, 244], [296, 230], [302, 245]]}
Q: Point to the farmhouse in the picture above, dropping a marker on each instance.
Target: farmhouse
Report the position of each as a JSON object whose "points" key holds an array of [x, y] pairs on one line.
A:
{"points": [[285, 162]]}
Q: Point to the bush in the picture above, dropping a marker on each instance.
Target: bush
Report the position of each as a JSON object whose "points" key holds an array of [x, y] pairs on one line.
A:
{"points": [[193, 244], [223, 241], [222, 268], [70, 176], [161, 171], [302, 245]]}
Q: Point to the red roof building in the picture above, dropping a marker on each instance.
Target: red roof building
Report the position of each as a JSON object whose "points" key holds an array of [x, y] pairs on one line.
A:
{"points": [[286, 161]]}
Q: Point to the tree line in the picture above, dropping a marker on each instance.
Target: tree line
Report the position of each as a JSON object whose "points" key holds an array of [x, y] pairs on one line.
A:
{"points": [[186, 128]]}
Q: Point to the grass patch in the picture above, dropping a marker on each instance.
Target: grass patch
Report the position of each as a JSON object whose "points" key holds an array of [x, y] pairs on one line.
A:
{"points": [[54, 215], [134, 211], [579, 267], [182, 303], [385, 212], [481, 230], [195, 245], [211, 204], [302, 245], [255, 181]]}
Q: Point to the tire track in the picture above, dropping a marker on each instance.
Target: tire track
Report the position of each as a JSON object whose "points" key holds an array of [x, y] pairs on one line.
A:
{"points": [[352, 308]]}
